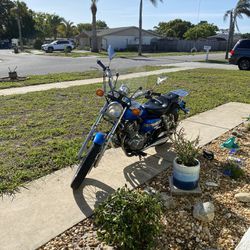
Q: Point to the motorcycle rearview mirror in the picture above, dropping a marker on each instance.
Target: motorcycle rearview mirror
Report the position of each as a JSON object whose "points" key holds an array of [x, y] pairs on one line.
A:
{"points": [[111, 52], [161, 79]]}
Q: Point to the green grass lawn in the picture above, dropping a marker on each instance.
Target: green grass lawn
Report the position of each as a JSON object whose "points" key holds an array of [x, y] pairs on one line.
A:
{"points": [[126, 54], [42, 132], [62, 77]]}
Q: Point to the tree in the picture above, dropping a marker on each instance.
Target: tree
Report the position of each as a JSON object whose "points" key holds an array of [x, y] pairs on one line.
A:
{"points": [[201, 30], [175, 28], [246, 36], [5, 7], [42, 25], [88, 26], [94, 45], [67, 29], [154, 2], [242, 8], [84, 26], [54, 21], [20, 12], [101, 24]]}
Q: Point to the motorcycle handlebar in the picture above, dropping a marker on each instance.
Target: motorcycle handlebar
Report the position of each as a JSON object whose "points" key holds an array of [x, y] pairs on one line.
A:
{"points": [[149, 94], [156, 94], [101, 65]]}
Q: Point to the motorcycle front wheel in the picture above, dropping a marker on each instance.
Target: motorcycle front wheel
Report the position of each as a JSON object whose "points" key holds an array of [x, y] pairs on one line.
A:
{"points": [[85, 166]]}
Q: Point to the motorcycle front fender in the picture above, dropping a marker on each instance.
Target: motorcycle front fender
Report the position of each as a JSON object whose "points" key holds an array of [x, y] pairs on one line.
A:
{"points": [[99, 138]]}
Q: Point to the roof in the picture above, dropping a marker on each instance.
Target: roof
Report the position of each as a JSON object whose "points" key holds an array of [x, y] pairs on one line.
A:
{"points": [[223, 36], [111, 31], [219, 37]]}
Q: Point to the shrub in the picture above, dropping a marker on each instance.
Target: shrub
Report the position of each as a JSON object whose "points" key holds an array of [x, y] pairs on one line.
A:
{"points": [[232, 169], [37, 44], [186, 150], [129, 219]]}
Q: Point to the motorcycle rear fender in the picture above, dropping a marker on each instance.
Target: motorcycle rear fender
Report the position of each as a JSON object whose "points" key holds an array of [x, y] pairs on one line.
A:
{"points": [[180, 92]]}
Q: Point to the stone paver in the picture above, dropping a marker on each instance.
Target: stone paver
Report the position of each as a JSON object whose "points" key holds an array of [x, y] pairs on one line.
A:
{"points": [[245, 241], [47, 207]]}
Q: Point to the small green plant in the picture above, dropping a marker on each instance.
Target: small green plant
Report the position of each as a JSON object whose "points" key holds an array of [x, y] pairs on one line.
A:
{"points": [[186, 150], [66, 50], [232, 169], [129, 219]]}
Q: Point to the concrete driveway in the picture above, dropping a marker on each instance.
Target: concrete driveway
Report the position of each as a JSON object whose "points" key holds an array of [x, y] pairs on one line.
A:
{"points": [[30, 64]]}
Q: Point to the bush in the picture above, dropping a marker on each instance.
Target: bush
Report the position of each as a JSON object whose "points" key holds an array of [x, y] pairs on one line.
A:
{"points": [[232, 169], [186, 150], [37, 44], [129, 219]]}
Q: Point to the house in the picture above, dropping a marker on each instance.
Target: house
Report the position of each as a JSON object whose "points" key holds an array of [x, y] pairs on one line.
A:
{"points": [[223, 37], [118, 38]]}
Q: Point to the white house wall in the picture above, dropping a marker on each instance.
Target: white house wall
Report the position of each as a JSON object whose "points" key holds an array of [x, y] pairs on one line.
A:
{"points": [[121, 42]]}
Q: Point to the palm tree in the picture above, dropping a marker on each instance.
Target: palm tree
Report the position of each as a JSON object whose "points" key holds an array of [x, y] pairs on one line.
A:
{"points": [[67, 28], [242, 8], [54, 21], [154, 2], [94, 45]]}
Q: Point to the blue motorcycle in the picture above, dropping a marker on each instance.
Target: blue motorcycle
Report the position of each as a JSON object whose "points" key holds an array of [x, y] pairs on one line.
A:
{"points": [[134, 127]]}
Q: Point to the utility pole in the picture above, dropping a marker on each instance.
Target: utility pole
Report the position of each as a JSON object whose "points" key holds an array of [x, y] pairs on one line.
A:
{"points": [[140, 30], [230, 34]]}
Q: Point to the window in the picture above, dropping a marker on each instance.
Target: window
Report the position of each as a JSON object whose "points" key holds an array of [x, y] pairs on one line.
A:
{"points": [[63, 42], [245, 44]]}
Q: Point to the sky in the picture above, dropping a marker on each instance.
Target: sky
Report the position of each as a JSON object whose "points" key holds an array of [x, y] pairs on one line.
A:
{"points": [[117, 13]]}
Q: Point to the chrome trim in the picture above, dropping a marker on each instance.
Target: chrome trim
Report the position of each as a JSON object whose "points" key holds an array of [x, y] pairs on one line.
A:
{"points": [[109, 137], [92, 130]]}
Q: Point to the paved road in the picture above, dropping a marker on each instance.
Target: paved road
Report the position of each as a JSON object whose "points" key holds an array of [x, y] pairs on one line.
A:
{"points": [[29, 64]]}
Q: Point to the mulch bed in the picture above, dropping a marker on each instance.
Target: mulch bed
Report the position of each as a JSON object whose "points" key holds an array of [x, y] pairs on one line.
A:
{"points": [[181, 230]]}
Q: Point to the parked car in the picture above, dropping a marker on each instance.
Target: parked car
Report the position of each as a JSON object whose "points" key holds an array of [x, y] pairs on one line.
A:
{"points": [[240, 54], [59, 45], [5, 44]]}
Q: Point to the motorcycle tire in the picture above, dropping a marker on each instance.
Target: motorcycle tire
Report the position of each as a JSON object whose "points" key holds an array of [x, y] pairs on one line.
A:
{"points": [[85, 166]]}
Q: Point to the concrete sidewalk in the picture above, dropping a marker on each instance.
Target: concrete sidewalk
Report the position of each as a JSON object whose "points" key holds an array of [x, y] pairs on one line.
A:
{"points": [[61, 85], [48, 207], [245, 241]]}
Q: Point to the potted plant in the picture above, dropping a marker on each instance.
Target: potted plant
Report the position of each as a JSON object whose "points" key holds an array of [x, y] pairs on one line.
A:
{"points": [[186, 166]]}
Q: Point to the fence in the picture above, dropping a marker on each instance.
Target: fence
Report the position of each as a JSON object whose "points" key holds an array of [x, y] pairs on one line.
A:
{"points": [[187, 45]]}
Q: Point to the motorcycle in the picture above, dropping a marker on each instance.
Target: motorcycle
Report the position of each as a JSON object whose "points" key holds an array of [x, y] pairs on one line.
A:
{"points": [[134, 127]]}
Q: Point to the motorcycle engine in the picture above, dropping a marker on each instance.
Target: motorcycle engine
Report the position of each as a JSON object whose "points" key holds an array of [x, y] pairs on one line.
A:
{"points": [[169, 123], [134, 140]]}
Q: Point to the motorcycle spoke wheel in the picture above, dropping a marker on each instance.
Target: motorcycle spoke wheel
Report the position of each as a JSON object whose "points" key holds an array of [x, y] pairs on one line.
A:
{"points": [[85, 166]]}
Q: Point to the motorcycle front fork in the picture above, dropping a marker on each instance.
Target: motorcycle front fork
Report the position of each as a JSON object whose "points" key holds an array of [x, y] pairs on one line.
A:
{"points": [[93, 131]]}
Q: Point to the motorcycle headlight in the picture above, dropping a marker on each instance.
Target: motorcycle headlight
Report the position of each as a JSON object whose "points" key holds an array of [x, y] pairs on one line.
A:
{"points": [[114, 110]]}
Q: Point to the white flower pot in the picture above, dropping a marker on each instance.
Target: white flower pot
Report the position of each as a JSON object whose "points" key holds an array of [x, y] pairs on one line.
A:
{"points": [[184, 177]]}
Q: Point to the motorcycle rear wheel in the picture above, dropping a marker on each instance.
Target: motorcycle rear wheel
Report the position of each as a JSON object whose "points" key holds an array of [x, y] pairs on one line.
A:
{"points": [[85, 166]]}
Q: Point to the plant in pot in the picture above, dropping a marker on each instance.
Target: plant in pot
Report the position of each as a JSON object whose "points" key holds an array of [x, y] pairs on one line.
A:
{"points": [[186, 166]]}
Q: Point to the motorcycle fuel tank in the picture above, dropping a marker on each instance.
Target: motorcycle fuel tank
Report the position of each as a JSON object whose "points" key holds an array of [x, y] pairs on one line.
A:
{"points": [[150, 125]]}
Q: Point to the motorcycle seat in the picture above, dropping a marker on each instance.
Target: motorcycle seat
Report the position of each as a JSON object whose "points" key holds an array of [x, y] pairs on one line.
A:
{"points": [[161, 104]]}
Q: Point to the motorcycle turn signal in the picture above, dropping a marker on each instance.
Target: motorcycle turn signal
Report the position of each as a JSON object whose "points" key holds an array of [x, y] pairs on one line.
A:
{"points": [[99, 92], [136, 112]]}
